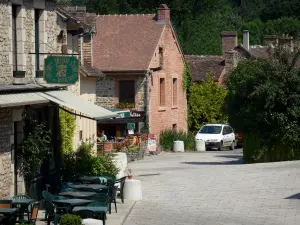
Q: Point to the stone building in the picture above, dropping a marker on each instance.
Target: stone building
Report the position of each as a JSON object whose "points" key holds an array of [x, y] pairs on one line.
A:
{"points": [[30, 31], [143, 65]]}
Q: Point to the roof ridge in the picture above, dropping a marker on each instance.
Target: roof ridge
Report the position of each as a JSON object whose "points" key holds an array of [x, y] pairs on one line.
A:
{"points": [[205, 56]]}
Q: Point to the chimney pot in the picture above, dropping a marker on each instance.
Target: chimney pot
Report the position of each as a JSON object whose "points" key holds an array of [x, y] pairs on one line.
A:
{"points": [[246, 39]]}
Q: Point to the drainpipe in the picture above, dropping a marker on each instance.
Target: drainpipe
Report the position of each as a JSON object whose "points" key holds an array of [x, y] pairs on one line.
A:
{"points": [[81, 49], [146, 101]]}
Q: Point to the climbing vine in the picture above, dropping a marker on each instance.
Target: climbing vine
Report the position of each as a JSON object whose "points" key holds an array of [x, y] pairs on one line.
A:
{"points": [[67, 130], [34, 149], [187, 80]]}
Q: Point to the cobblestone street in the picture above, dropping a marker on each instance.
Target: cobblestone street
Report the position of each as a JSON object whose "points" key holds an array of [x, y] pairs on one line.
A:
{"points": [[215, 188]]}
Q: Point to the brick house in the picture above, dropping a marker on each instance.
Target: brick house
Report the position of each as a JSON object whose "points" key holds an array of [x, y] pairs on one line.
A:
{"points": [[31, 30], [144, 65]]}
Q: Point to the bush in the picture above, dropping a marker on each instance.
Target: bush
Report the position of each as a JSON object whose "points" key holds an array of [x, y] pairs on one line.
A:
{"points": [[167, 137], [84, 162], [69, 219]]}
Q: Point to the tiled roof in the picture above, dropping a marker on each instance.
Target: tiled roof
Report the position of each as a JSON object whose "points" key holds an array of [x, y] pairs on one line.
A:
{"points": [[202, 65], [126, 42], [81, 14], [90, 71]]}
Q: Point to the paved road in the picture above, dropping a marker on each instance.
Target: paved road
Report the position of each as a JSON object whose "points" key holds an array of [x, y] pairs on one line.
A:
{"points": [[213, 188]]}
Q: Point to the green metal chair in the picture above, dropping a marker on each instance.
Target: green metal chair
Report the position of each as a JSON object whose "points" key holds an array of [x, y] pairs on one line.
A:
{"points": [[49, 197], [54, 212], [33, 215], [24, 211], [121, 183]]}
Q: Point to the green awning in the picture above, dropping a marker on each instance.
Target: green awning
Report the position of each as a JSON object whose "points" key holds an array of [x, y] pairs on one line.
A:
{"points": [[121, 114]]}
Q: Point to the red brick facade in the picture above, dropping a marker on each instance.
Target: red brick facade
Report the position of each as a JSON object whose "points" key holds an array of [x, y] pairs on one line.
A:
{"points": [[170, 115]]}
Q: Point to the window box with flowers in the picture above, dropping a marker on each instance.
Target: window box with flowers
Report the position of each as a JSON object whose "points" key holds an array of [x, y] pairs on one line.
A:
{"points": [[125, 105]]}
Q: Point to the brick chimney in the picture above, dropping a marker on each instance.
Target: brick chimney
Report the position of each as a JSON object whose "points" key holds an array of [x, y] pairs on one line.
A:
{"points": [[229, 41], [163, 13]]}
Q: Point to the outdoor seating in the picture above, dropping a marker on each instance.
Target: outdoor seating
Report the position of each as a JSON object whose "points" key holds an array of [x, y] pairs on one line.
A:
{"points": [[69, 190], [23, 202], [49, 197], [33, 215], [121, 185], [54, 212]]}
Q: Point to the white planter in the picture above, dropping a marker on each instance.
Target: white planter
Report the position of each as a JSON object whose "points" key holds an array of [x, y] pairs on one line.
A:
{"points": [[200, 145], [178, 146], [133, 190], [120, 161]]}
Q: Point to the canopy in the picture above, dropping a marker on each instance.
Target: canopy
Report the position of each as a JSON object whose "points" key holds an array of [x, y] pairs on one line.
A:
{"points": [[69, 100]]}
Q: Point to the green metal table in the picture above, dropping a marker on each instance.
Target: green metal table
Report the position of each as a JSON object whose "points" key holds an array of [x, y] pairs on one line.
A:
{"points": [[73, 201], [92, 186], [22, 204], [77, 194], [8, 213]]}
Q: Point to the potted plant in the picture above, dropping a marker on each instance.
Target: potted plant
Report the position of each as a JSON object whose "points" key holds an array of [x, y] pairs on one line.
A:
{"points": [[129, 174], [107, 145]]}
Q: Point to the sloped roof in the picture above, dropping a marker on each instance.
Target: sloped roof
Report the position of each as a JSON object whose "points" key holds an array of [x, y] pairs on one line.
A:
{"points": [[201, 66], [126, 42], [81, 14]]}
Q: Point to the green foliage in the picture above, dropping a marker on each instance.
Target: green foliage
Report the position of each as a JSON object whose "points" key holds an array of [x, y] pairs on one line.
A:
{"points": [[168, 136], [84, 162], [34, 149], [67, 131], [64, 3], [199, 23], [263, 102], [70, 219], [187, 79], [206, 104]]}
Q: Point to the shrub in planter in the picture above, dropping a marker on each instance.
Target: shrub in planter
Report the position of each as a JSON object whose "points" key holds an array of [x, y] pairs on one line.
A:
{"points": [[167, 137], [69, 219]]}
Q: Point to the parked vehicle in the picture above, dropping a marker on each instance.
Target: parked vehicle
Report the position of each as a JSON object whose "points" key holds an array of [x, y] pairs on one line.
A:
{"points": [[239, 139], [217, 136]]}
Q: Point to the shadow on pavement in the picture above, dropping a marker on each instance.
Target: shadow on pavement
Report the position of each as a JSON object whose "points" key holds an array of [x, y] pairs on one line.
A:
{"points": [[230, 156], [233, 162], [149, 174], [295, 196]]}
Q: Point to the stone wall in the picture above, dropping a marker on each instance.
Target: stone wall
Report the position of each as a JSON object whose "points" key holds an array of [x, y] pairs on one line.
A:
{"points": [[6, 131], [105, 92], [5, 45]]}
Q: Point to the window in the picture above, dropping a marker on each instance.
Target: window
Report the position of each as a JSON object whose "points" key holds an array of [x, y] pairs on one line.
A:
{"points": [[227, 130], [14, 36], [174, 126], [127, 91], [174, 91], [37, 14], [80, 135], [162, 97], [161, 56], [211, 129]]}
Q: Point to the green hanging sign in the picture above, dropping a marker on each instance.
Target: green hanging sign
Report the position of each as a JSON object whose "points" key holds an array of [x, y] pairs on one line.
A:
{"points": [[61, 69]]}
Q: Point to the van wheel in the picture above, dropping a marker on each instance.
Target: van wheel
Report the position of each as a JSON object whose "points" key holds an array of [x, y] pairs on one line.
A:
{"points": [[220, 146], [232, 146]]}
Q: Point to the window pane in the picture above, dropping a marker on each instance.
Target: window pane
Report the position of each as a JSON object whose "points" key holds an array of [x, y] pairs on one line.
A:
{"points": [[127, 91]]}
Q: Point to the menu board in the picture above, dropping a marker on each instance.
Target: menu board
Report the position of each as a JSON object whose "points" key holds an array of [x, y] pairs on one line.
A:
{"points": [[152, 144]]}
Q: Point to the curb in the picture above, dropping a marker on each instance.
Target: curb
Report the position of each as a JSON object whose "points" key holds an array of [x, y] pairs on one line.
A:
{"points": [[127, 214]]}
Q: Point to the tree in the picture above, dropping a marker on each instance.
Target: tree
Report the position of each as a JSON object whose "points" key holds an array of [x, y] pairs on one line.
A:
{"points": [[64, 3], [206, 103], [263, 102]]}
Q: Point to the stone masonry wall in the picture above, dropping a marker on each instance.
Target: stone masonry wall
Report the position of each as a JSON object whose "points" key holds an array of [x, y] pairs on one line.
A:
{"points": [[105, 92], [6, 130], [164, 117], [5, 45]]}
